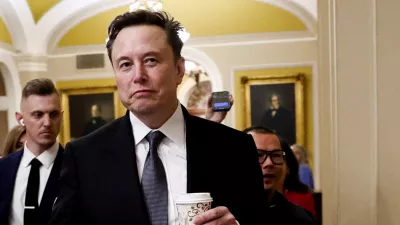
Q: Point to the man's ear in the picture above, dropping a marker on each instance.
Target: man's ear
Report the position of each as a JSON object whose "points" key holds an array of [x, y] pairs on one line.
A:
{"points": [[19, 118], [180, 67]]}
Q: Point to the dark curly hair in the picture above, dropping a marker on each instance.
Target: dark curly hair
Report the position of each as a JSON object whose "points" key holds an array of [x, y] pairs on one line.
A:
{"points": [[146, 17]]}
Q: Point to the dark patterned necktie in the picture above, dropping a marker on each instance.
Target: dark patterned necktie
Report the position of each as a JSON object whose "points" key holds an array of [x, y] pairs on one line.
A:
{"points": [[154, 182], [32, 193]]}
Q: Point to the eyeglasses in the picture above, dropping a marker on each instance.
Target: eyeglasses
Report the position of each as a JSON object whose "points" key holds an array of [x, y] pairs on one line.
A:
{"points": [[277, 156]]}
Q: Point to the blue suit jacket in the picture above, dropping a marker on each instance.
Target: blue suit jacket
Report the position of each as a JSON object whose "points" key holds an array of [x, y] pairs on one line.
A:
{"points": [[8, 172]]}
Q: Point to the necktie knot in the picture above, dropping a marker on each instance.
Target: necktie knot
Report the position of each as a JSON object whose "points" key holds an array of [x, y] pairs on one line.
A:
{"points": [[35, 163], [154, 138]]}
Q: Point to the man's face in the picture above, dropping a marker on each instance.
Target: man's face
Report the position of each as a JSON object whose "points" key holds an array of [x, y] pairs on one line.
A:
{"points": [[271, 172], [275, 101], [95, 111], [42, 118], [146, 72]]}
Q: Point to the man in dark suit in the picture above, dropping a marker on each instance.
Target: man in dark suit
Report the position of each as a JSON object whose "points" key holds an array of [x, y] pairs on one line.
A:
{"points": [[280, 119], [95, 122], [29, 178], [131, 170]]}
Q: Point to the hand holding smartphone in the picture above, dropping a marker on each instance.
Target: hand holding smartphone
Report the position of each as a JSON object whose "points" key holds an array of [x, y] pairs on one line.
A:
{"points": [[220, 101]]}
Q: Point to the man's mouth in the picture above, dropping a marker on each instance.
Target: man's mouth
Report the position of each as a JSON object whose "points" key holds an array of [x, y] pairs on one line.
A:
{"points": [[269, 176]]}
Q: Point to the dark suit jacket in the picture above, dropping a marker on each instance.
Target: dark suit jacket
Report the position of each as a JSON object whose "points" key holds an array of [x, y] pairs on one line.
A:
{"points": [[8, 172], [282, 211], [100, 183]]}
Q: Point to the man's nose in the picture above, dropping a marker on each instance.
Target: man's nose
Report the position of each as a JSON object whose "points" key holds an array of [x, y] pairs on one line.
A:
{"points": [[46, 120], [140, 74], [268, 162]]}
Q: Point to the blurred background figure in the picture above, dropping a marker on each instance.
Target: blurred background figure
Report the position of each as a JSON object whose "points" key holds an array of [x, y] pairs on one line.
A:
{"points": [[291, 186], [305, 172], [15, 140]]}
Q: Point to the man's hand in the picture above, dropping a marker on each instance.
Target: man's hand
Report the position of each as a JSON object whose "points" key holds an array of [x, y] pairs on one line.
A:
{"points": [[217, 216], [217, 117]]}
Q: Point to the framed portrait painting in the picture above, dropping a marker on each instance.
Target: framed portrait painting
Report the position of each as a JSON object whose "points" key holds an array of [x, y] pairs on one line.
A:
{"points": [[276, 102], [87, 106]]}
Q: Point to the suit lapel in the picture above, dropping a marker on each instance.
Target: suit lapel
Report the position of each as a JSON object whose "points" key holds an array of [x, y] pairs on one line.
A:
{"points": [[195, 155], [124, 148], [52, 186], [8, 175]]}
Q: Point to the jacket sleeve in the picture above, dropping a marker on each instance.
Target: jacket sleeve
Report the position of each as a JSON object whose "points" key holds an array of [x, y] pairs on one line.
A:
{"points": [[66, 208]]}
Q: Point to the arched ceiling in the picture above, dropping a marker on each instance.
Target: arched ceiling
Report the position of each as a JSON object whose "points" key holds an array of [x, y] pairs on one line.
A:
{"points": [[201, 18], [40, 7], [4, 34]]}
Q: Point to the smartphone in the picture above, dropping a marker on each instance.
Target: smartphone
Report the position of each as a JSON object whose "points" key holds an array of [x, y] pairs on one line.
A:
{"points": [[220, 101]]}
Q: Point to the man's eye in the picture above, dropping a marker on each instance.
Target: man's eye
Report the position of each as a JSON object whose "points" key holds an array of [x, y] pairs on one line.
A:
{"points": [[150, 61], [125, 64]]}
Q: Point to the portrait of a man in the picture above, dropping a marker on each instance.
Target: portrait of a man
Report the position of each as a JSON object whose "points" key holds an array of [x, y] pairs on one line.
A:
{"points": [[89, 112], [95, 122], [273, 106]]}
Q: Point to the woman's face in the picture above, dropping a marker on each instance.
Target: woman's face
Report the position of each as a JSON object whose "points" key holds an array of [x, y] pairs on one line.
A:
{"points": [[20, 144]]}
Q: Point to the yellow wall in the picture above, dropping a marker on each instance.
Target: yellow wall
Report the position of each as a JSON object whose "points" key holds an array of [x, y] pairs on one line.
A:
{"points": [[216, 18], [4, 34], [308, 111], [40, 7]]}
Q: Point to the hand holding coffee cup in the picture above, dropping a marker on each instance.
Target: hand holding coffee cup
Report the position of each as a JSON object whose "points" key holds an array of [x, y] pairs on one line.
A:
{"points": [[191, 205], [219, 215], [195, 209]]}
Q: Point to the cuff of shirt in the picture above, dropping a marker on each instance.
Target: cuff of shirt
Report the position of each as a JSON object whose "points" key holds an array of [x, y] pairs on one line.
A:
{"points": [[237, 222]]}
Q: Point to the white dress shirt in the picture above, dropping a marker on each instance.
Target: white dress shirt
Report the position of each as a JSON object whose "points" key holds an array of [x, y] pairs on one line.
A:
{"points": [[172, 152], [21, 182]]}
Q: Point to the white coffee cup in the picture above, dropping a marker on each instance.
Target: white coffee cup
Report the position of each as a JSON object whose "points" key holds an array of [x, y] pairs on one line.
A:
{"points": [[191, 205]]}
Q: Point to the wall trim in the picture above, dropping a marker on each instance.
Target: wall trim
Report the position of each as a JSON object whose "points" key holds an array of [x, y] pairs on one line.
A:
{"points": [[19, 21], [197, 42], [315, 106], [73, 12], [7, 48], [54, 27], [302, 13], [9, 69]]}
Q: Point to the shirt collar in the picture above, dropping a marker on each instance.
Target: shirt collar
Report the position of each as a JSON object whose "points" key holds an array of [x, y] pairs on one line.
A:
{"points": [[46, 158], [173, 128]]}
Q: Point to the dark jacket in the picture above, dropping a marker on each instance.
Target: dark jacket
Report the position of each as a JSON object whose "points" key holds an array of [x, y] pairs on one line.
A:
{"points": [[8, 172], [100, 183], [281, 211]]}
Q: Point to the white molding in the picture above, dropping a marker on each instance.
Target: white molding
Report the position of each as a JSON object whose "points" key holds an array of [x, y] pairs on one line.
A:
{"points": [[32, 66], [196, 42], [315, 106], [7, 48], [20, 23], [201, 58], [67, 14], [4, 103], [9, 69], [310, 5], [375, 114], [300, 12], [28, 63], [86, 76]]}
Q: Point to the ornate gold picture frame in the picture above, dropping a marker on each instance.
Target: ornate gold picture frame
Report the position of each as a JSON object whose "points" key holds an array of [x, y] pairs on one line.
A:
{"points": [[274, 101], [78, 99]]}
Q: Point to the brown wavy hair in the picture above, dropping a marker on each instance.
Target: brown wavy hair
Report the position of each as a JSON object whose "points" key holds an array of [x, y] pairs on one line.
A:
{"points": [[12, 143]]}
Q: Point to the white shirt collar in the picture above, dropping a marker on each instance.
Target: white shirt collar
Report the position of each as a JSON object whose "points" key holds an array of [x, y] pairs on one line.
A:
{"points": [[173, 128], [46, 158]]}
